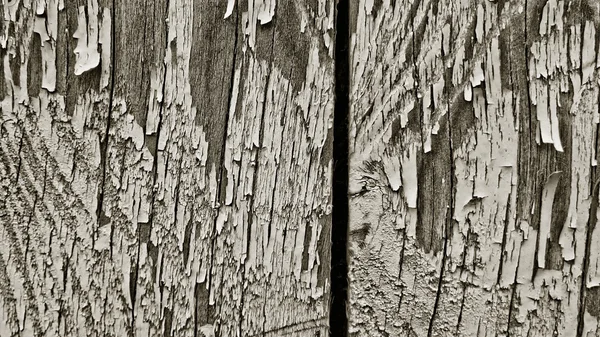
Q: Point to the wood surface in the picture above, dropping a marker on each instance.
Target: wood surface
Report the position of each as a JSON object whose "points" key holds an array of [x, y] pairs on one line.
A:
{"points": [[165, 167], [473, 169], [191, 168]]}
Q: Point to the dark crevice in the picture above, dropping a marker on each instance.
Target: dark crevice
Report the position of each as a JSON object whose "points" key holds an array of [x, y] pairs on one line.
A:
{"points": [[591, 224], [586, 256], [220, 198], [104, 143], [20, 156], [220, 195], [511, 305], [338, 319], [515, 107], [462, 307]]}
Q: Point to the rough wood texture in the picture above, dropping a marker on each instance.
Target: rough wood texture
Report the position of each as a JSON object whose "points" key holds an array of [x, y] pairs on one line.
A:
{"points": [[473, 169], [165, 167]]}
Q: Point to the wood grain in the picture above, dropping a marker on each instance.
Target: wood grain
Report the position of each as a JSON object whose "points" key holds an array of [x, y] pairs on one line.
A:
{"points": [[473, 132], [165, 167]]}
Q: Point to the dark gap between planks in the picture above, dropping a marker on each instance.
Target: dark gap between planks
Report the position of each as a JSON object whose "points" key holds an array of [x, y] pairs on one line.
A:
{"points": [[338, 319]]}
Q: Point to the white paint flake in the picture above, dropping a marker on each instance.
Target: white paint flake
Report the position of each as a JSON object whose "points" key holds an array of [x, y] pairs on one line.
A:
{"points": [[86, 52], [229, 11]]}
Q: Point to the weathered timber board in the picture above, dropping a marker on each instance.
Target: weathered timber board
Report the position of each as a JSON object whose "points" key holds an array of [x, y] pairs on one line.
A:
{"points": [[473, 168], [165, 167]]}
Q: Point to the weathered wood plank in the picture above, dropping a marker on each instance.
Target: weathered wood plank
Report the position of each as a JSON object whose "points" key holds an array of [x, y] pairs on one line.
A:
{"points": [[165, 167], [473, 166]]}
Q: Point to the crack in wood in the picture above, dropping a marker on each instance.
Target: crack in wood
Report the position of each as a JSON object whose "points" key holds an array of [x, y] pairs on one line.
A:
{"points": [[338, 319]]}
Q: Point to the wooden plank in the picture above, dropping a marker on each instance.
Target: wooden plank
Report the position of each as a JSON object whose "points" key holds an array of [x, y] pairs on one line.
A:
{"points": [[473, 168], [166, 167]]}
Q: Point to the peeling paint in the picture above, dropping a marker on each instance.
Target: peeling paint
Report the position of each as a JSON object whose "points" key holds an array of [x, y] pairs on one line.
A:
{"points": [[122, 209], [86, 52], [495, 98]]}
